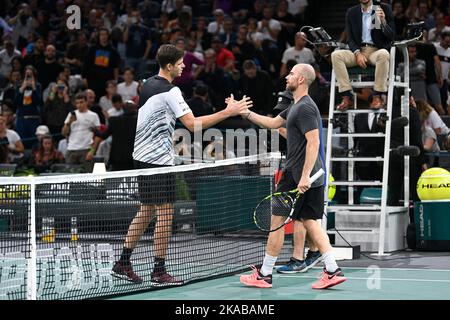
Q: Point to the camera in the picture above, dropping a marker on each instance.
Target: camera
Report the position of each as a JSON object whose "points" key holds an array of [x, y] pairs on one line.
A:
{"points": [[414, 30], [29, 78], [61, 87], [376, 2]]}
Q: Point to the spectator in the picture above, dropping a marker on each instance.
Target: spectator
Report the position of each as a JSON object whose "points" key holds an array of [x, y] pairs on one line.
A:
{"points": [[435, 34], [8, 113], [417, 69], [90, 24], [224, 58], [110, 20], [189, 74], [400, 20], [10, 141], [201, 35], [22, 26], [433, 75], [242, 48], [79, 128], [287, 21], [216, 27], [257, 10], [137, 38], [48, 69], [229, 35], [6, 55], [117, 109], [254, 35], [9, 91], [443, 51], [128, 88], [175, 7], [270, 29], [37, 54], [396, 163], [215, 78], [17, 64], [28, 101], [41, 23], [431, 119], [106, 101], [90, 96], [258, 85], [199, 102], [56, 108], [101, 64], [430, 143], [41, 131], [299, 53], [122, 129], [76, 53], [425, 16], [46, 155], [297, 7]]}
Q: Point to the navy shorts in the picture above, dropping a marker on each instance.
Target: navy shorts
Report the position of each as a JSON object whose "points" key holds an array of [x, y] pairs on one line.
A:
{"points": [[310, 205], [155, 189]]}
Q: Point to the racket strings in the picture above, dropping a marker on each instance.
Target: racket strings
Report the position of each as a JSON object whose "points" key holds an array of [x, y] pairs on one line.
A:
{"points": [[277, 205]]}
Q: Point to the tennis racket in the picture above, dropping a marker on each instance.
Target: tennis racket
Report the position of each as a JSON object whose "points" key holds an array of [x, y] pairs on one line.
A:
{"points": [[280, 204]]}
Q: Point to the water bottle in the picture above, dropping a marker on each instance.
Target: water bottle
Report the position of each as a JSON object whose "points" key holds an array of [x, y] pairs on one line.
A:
{"points": [[48, 229], [73, 229]]}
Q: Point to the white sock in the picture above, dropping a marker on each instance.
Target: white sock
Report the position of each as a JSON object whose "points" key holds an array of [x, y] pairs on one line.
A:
{"points": [[329, 261], [268, 264]]}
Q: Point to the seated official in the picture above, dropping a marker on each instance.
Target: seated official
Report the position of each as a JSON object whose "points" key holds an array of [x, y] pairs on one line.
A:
{"points": [[370, 30]]}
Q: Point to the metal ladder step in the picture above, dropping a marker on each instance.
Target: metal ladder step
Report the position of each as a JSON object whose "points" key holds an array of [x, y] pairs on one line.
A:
{"points": [[356, 111], [356, 183], [369, 84], [362, 159], [356, 207], [360, 135]]}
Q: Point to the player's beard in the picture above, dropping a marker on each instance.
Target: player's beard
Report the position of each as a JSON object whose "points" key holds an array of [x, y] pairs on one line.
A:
{"points": [[290, 87]]}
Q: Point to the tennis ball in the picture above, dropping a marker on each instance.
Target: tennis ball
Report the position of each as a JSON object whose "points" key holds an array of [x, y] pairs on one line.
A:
{"points": [[331, 188], [434, 184]]}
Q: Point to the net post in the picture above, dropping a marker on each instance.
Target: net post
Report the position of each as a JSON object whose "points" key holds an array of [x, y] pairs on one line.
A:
{"points": [[31, 265]]}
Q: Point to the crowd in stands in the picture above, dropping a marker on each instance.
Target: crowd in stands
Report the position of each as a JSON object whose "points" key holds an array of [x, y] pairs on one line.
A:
{"points": [[66, 86]]}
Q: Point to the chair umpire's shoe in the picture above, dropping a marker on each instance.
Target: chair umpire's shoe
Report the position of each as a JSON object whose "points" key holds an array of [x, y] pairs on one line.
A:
{"points": [[377, 103], [346, 103]]}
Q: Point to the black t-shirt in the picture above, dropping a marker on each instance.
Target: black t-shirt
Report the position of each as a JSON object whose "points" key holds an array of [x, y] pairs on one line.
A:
{"points": [[301, 118], [99, 67], [427, 52], [48, 72], [137, 41]]}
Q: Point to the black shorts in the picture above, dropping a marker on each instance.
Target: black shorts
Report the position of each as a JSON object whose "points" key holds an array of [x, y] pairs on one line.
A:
{"points": [[155, 189], [310, 205]]}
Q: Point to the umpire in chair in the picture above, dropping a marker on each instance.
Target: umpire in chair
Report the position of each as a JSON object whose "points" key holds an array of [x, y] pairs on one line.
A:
{"points": [[370, 31]]}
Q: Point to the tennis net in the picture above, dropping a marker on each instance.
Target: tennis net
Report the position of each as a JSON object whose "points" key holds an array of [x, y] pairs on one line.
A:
{"points": [[60, 236]]}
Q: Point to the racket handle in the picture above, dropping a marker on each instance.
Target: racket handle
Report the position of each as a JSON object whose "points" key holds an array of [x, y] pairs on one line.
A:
{"points": [[316, 175]]}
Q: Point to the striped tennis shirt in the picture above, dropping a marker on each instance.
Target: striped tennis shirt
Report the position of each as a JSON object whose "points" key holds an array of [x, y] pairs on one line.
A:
{"points": [[161, 103]]}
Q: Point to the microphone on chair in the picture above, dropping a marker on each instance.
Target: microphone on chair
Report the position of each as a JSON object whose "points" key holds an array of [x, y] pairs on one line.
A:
{"points": [[411, 151]]}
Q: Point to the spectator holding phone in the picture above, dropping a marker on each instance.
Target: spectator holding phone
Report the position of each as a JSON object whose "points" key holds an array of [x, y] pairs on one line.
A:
{"points": [[28, 104], [56, 108], [79, 128]]}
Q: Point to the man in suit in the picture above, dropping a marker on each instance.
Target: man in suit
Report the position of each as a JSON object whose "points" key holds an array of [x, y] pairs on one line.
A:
{"points": [[370, 30], [369, 147]]}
